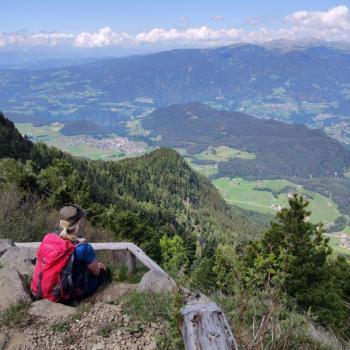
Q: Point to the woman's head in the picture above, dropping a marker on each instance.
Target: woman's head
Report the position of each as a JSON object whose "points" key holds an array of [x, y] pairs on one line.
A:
{"points": [[72, 219]]}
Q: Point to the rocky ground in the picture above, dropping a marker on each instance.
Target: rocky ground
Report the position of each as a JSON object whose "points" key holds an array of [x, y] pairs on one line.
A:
{"points": [[96, 324], [100, 326]]}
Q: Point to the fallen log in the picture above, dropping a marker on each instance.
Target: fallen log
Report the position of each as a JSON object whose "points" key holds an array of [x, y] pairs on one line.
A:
{"points": [[205, 326]]}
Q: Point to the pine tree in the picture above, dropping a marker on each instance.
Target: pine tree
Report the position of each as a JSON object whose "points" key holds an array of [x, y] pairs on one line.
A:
{"points": [[306, 263]]}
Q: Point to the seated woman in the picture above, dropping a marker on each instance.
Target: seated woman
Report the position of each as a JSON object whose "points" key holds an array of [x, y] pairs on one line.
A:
{"points": [[87, 273], [66, 268]]}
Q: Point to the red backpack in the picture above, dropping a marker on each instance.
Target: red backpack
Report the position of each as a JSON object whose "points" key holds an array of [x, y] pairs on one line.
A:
{"points": [[52, 277]]}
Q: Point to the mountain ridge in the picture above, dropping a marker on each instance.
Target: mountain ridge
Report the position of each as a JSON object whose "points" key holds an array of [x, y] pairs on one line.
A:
{"points": [[282, 150]]}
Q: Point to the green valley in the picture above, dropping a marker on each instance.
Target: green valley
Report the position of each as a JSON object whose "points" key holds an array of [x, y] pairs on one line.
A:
{"points": [[106, 147], [268, 196]]}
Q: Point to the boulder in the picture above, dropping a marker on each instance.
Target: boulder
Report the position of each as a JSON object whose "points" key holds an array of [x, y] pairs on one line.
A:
{"points": [[114, 291], [3, 340], [4, 245], [19, 259], [48, 310], [11, 287], [157, 282]]}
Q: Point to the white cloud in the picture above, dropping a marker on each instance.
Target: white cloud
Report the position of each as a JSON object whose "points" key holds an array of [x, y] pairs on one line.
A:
{"points": [[104, 37], [333, 24], [190, 35]]}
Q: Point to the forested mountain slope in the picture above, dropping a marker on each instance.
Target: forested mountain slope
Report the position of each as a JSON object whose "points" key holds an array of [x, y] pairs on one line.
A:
{"points": [[138, 199], [276, 149]]}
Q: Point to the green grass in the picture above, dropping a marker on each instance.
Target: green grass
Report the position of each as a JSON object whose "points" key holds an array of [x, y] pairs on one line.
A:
{"points": [[334, 242], [223, 153], [62, 326], [15, 315], [147, 306], [150, 307], [204, 169], [246, 194], [49, 131], [346, 230]]}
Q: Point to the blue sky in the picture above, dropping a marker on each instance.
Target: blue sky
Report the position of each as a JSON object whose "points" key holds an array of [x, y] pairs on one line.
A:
{"points": [[153, 25], [134, 16]]}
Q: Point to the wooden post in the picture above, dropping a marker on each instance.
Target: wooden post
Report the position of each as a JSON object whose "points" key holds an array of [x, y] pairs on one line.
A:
{"points": [[131, 262]]}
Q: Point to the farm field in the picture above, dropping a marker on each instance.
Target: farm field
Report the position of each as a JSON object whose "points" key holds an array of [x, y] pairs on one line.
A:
{"points": [[267, 196], [223, 153]]}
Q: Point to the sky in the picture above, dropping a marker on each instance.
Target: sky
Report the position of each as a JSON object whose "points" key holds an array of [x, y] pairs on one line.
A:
{"points": [[158, 24]]}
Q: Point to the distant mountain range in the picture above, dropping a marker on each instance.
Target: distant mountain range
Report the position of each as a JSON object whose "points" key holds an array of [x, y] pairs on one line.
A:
{"points": [[268, 148], [300, 83]]}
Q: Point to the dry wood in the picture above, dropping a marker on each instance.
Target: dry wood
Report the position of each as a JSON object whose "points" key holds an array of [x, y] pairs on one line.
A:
{"points": [[205, 326]]}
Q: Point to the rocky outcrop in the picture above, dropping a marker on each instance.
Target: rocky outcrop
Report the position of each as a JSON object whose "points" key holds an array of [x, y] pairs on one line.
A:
{"points": [[12, 289], [49, 311], [19, 259], [113, 292], [5, 244], [157, 282]]}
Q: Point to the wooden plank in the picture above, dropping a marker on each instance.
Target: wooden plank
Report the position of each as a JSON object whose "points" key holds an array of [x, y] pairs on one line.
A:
{"points": [[131, 247], [131, 262]]}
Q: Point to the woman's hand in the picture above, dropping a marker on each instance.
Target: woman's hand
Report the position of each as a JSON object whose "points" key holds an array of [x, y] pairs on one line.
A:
{"points": [[95, 268], [102, 266]]}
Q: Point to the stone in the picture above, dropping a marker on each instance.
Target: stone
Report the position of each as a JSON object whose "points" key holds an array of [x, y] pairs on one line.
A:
{"points": [[151, 346], [48, 310], [157, 282], [5, 244], [19, 259], [114, 291], [18, 341], [98, 346], [11, 288], [3, 340]]}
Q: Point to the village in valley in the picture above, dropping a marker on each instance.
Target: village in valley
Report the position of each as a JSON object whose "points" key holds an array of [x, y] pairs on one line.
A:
{"points": [[115, 144]]}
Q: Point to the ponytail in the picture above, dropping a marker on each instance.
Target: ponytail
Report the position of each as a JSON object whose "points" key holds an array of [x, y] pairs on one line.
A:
{"points": [[68, 230]]}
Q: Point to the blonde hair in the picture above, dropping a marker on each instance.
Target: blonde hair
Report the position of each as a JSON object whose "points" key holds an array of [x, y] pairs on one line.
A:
{"points": [[68, 231]]}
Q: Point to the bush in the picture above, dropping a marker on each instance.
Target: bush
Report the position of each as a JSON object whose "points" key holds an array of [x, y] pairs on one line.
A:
{"points": [[22, 217]]}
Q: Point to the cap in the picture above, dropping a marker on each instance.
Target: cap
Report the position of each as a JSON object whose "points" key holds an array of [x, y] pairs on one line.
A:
{"points": [[72, 212]]}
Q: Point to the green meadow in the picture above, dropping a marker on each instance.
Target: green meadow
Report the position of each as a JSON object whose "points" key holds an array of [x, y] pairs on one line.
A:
{"points": [[267, 195], [223, 153]]}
